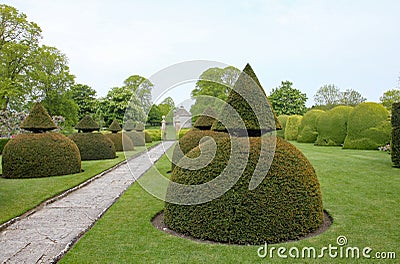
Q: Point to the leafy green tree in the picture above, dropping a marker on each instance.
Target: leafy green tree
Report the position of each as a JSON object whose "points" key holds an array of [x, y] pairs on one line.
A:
{"points": [[351, 97], [389, 97], [120, 102], [85, 97], [141, 87], [19, 40], [154, 117], [287, 100], [215, 83], [328, 95], [169, 101]]}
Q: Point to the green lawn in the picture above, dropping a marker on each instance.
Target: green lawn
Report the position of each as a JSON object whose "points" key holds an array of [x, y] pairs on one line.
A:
{"points": [[360, 190], [18, 196]]}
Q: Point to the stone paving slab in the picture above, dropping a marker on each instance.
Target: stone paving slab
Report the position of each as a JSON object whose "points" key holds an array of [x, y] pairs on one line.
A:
{"points": [[48, 233]]}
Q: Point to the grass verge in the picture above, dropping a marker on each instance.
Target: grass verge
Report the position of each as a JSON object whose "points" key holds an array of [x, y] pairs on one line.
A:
{"points": [[18, 196], [360, 190]]}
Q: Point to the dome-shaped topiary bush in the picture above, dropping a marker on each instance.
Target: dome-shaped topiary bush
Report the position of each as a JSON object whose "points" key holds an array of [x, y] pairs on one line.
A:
{"points": [[282, 119], [292, 127], [191, 140], [206, 119], [332, 126], [395, 144], [285, 206], [138, 138], [139, 127], [122, 142], [94, 146], [40, 154], [308, 126], [368, 127], [147, 137]]}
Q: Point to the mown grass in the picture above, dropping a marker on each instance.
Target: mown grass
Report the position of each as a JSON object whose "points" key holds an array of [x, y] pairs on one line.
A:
{"points": [[18, 196], [360, 190]]}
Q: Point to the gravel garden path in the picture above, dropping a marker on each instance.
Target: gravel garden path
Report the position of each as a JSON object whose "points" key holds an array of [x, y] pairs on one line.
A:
{"points": [[49, 232]]}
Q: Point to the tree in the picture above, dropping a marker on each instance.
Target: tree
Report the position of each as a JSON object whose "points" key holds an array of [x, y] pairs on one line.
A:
{"points": [[287, 100], [19, 40], [351, 97], [169, 101], [215, 84], [154, 117], [121, 102], [328, 95], [141, 87], [85, 97], [389, 97]]}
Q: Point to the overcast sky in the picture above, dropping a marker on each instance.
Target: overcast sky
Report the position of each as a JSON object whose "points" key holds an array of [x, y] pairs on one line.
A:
{"points": [[351, 43]]}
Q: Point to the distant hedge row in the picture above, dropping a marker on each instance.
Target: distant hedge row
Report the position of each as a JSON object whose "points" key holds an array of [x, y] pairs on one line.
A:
{"points": [[395, 146], [366, 126]]}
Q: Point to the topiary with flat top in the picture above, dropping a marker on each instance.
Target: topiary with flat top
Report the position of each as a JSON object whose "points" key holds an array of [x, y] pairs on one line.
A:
{"points": [[368, 127], [308, 126], [286, 205], [147, 137], [87, 124], [206, 119], [40, 154], [332, 126], [395, 144]]}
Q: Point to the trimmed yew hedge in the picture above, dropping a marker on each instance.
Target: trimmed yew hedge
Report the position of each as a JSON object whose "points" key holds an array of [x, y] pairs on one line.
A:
{"points": [[285, 206], [308, 126], [94, 146], [332, 126], [155, 134], [368, 127], [40, 155], [147, 137], [3, 142], [395, 144], [138, 138], [282, 120], [191, 140], [292, 127], [121, 141]]}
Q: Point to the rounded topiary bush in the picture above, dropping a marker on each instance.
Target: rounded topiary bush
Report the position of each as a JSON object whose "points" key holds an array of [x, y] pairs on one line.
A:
{"points": [[292, 127], [40, 155], [138, 138], [368, 127], [332, 126], [191, 140], [94, 146], [282, 119], [3, 142], [285, 206], [147, 137], [308, 126], [121, 141]]}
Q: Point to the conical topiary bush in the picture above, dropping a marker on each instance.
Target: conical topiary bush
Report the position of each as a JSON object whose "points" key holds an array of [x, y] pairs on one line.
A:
{"points": [[87, 124], [92, 146], [286, 205], [38, 120], [115, 127], [247, 99], [42, 153]]}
